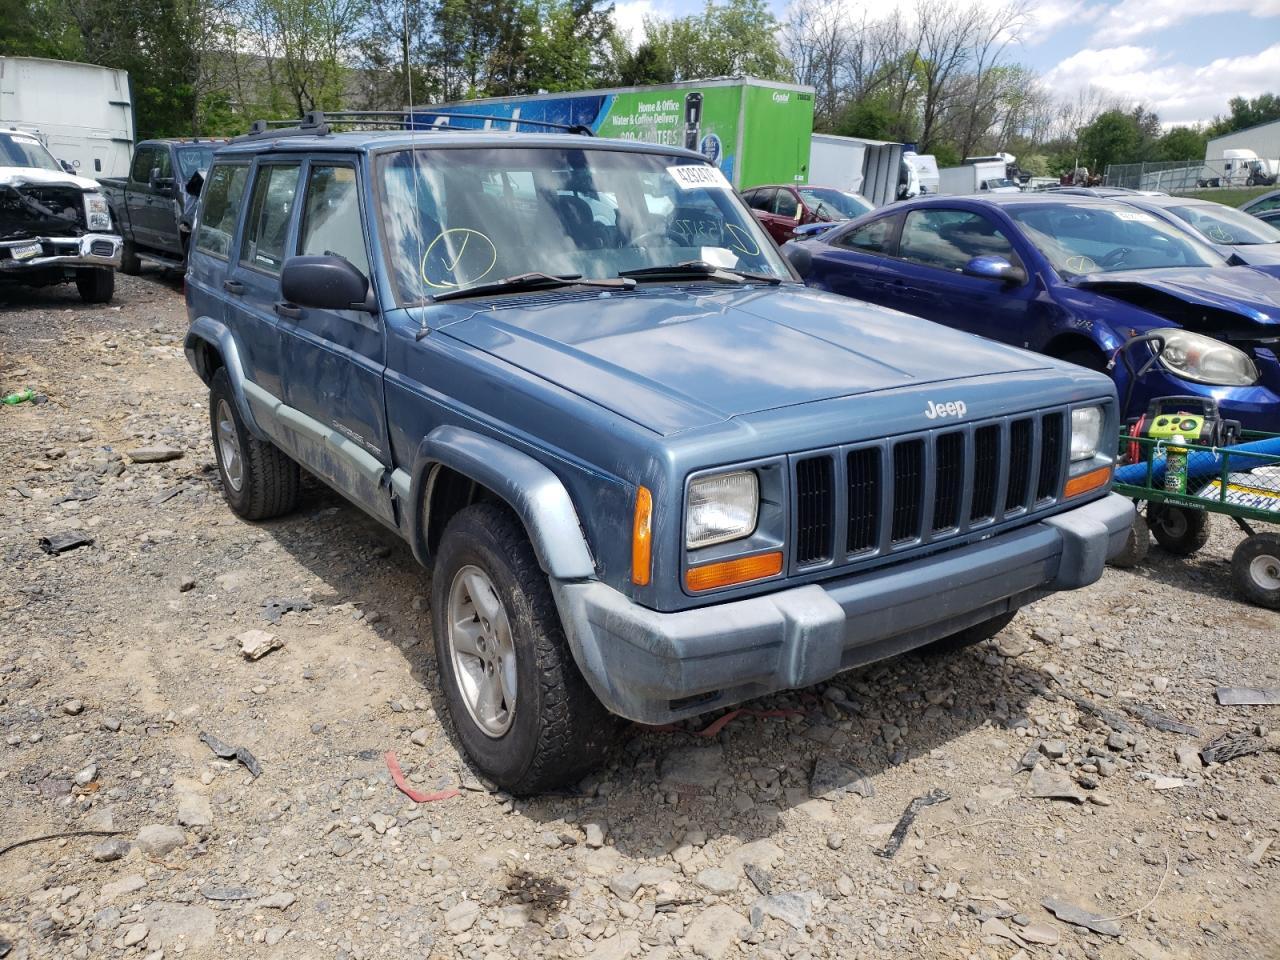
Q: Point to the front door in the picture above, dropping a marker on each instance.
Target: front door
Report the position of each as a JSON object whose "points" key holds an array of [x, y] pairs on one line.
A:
{"points": [[335, 359]]}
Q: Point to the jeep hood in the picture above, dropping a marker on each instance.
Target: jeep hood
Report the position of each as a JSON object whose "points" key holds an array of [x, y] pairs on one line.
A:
{"points": [[675, 358], [1223, 301]]}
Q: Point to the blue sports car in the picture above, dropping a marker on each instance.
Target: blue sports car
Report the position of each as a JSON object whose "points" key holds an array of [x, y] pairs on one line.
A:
{"points": [[1073, 277]]}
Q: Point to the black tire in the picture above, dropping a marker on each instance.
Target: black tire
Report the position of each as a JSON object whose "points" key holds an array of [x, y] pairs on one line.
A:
{"points": [[969, 635], [96, 284], [1179, 530], [1136, 545], [1255, 569], [129, 262], [558, 731], [1085, 357], [268, 480]]}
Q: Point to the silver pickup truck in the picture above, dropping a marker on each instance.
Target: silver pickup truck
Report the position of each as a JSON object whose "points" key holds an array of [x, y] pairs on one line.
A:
{"points": [[54, 226]]}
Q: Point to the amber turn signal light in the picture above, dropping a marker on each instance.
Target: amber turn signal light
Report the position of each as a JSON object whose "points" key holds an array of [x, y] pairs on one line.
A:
{"points": [[642, 538], [728, 572], [1087, 481]]}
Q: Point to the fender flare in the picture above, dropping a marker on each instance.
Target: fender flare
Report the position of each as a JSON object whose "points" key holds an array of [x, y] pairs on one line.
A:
{"points": [[218, 336], [529, 488]]}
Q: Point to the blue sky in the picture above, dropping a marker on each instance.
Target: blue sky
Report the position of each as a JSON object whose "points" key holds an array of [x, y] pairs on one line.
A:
{"points": [[1185, 60]]}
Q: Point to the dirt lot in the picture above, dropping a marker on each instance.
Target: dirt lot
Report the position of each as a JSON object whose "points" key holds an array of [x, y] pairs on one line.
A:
{"points": [[757, 841]]}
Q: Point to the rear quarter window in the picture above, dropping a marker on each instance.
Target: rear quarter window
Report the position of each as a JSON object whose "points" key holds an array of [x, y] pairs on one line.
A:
{"points": [[220, 208]]}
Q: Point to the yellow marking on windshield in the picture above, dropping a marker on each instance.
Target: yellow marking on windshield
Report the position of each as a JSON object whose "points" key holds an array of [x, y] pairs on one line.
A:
{"points": [[740, 240], [448, 251]]}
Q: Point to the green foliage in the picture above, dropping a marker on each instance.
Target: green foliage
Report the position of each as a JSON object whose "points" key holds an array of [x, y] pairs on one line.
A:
{"points": [[37, 28], [873, 118], [1246, 113], [1114, 137], [1181, 143], [734, 38], [946, 154]]}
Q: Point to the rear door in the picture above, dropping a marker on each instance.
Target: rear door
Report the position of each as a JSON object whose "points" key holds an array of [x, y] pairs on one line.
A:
{"points": [[935, 245], [335, 359], [853, 263]]}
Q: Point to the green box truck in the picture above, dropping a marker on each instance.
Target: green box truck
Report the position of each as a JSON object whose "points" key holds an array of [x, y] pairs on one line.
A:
{"points": [[756, 131]]}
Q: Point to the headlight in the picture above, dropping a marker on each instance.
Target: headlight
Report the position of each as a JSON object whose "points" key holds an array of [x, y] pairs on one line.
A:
{"points": [[1206, 360], [1086, 432], [722, 507], [97, 213]]}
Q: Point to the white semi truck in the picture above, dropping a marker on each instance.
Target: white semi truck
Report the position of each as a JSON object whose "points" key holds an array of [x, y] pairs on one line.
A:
{"points": [[81, 112]]}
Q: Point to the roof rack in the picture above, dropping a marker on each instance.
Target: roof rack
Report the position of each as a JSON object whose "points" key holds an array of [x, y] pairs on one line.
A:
{"points": [[320, 123]]}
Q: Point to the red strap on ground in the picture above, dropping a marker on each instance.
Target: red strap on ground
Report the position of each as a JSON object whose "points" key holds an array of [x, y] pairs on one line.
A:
{"points": [[416, 796], [720, 723]]}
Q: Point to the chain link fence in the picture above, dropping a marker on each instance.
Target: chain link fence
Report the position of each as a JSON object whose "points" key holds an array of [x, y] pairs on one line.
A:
{"points": [[1173, 176]]}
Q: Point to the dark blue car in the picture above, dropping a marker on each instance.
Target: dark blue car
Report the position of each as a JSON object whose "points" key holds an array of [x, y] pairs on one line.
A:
{"points": [[1073, 277]]}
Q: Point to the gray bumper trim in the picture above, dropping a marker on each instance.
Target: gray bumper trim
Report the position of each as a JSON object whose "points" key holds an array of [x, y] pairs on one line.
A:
{"points": [[69, 252], [639, 661]]}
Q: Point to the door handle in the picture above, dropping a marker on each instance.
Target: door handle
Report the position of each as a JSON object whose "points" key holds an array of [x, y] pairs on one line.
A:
{"points": [[233, 286], [288, 310]]}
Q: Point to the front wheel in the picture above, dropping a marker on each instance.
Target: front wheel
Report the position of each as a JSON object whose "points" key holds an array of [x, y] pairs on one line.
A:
{"points": [[970, 635], [1180, 530], [96, 284], [1255, 569], [130, 263], [519, 704], [1136, 545]]}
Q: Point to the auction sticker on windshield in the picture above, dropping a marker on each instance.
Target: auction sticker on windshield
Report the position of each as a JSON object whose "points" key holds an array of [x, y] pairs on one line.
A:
{"points": [[1134, 216], [26, 251], [698, 176]]}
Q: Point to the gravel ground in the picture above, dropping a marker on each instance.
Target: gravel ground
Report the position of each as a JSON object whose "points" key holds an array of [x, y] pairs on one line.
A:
{"points": [[759, 840]]}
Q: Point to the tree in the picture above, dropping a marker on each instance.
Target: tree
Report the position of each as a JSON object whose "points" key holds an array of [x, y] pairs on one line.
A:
{"points": [[736, 38], [1114, 137], [1182, 143], [1247, 113]]}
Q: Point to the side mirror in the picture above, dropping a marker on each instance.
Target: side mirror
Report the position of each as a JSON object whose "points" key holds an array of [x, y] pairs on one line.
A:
{"points": [[995, 268], [67, 166], [326, 283], [158, 182], [814, 229]]}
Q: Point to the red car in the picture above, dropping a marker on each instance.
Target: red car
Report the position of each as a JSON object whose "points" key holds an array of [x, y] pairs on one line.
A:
{"points": [[781, 208]]}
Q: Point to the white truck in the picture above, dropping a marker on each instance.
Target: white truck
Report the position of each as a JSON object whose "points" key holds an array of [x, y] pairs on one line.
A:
{"points": [[984, 176], [83, 113], [1244, 168]]}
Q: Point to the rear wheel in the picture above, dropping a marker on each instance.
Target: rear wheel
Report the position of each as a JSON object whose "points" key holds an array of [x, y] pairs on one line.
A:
{"points": [[1255, 569], [258, 479], [970, 635], [95, 284], [519, 704], [1179, 530]]}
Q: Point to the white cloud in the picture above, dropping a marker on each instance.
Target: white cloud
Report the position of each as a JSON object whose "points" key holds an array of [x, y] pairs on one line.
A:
{"points": [[1179, 92], [629, 15], [1130, 19]]}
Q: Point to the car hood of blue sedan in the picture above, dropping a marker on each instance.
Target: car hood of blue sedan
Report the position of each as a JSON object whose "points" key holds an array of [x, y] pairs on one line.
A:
{"points": [[675, 358], [1255, 253], [1247, 293]]}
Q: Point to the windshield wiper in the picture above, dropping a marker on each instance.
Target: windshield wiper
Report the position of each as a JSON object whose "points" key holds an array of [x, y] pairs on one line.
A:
{"points": [[699, 270], [533, 281]]}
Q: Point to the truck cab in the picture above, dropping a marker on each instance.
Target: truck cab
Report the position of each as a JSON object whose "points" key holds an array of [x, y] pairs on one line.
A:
{"points": [[653, 475], [154, 203]]}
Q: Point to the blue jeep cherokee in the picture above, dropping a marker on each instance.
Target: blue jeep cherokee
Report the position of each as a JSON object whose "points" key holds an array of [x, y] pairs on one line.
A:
{"points": [[653, 474]]}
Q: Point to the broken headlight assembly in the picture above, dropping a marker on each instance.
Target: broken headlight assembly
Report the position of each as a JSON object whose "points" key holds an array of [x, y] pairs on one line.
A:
{"points": [[96, 212], [1193, 356]]}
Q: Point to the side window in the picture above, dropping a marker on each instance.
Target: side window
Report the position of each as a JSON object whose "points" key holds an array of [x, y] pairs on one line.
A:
{"points": [[786, 204], [270, 207], [331, 215], [871, 237], [1270, 203], [948, 239], [162, 161], [761, 200], [221, 208], [143, 161]]}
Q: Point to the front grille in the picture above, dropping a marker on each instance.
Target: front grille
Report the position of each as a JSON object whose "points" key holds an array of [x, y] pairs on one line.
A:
{"points": [[904, 492], [814, 509], [100, 248]]}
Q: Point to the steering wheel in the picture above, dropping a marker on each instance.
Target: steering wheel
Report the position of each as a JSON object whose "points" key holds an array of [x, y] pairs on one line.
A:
{"points": [[1115, 257]]}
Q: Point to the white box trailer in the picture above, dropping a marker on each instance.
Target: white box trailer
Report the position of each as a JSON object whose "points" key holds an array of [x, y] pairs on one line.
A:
{"points": [[82, 112], [979, 177], [868, 167]]}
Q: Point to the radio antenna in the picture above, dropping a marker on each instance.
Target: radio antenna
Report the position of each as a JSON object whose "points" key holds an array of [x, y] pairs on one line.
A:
{"points": [[420, 266]]}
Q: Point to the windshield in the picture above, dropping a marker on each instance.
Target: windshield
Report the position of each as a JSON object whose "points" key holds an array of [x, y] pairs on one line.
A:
{"points": [[1221, 224], [1108, 238], [17, 150], [193, 160], [456, 218], [1001, 183], [837, 203]]}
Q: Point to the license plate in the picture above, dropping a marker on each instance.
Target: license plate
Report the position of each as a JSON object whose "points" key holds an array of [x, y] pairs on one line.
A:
{"points": [[26, 251]]}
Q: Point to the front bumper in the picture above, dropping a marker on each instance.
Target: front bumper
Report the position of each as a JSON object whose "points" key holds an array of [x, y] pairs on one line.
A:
{"points": [[90, 250], [1257, 407], [657, 667]]}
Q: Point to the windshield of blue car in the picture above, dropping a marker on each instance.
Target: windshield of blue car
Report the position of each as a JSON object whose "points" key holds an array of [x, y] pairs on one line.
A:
{"points": [[193, 160], [836, 203], [455, 218], [18, 150], [1108, 238], [1219, 224]]}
